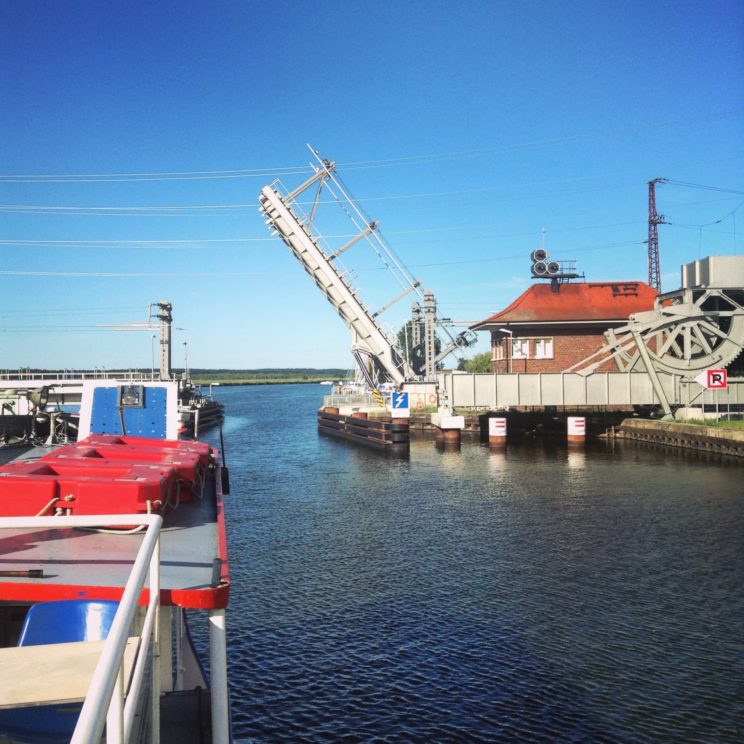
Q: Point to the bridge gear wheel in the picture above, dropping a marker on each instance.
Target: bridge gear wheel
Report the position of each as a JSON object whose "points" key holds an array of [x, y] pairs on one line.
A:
{"points": [[689, 331]]}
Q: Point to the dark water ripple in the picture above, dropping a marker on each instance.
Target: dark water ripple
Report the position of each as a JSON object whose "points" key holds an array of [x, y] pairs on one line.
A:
{"points": [[540, 596]]}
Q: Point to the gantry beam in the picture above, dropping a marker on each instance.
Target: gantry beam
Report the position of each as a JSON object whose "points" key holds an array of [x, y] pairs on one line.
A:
{"points": [[368, 337]]}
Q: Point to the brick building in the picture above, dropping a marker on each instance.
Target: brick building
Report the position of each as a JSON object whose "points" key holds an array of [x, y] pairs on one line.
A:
{"points": [[551, 327]]}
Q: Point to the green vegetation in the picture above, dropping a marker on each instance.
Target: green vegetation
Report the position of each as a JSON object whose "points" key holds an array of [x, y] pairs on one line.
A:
{"points": [[265, 376], [478, 363], [721, 423], [415, 354]]}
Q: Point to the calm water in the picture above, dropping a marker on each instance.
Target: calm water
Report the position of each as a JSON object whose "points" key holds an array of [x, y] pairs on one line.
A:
{"points": [[533, 596]]}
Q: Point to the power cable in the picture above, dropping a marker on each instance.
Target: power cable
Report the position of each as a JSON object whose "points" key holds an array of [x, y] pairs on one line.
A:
{"points": [[387, 197], [352, 165], [701, 186], [122, 243], [153, 176], [141, 274]]}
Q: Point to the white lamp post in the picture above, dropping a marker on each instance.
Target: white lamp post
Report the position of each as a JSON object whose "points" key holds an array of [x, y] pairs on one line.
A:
{"points": [[510, 349]]}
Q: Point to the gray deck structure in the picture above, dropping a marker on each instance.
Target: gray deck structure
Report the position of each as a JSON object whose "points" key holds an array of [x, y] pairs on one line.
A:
{"points": [[497, 391]]}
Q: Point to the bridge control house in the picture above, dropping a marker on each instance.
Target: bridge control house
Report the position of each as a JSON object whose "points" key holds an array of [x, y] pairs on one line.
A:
{"points": [[553, 326]]}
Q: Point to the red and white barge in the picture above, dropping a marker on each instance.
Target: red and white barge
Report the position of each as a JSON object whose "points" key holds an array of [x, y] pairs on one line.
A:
{"points": [[110, 547]]}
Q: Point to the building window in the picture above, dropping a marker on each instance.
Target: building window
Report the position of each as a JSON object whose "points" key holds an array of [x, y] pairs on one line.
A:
{"points": [[543, 348], [520, 348], [498, 351]]}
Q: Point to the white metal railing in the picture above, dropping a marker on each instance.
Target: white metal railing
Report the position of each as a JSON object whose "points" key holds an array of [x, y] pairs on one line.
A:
{"points": [[72, 374], [105, 702], [355, 400]]}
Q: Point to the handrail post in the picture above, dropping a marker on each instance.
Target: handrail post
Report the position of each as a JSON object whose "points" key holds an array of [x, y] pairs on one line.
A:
{"points": [[218, 675], [115, 715], [155, 597], [93, 715]]}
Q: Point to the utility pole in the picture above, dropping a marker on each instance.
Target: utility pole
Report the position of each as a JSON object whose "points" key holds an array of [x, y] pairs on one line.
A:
{"points": [[165, 317], [414, 338], [654, 220], [430, 319], [415, 325]]}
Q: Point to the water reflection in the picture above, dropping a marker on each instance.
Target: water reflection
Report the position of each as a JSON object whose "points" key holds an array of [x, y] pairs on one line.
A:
{"points": [[576, 458], [496, 458], [537, 594]]}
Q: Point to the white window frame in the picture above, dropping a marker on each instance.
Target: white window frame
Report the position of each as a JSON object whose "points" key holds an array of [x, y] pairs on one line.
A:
{"points": [[520, 348], [544, 348]]}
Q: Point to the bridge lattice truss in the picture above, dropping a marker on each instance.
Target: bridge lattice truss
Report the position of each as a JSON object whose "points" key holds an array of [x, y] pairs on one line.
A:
{"points": [[373, 347]]}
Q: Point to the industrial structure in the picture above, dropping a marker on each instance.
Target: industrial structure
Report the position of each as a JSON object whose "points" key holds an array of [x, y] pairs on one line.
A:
{"points": [[32, 403], [378, 356], [658, 343], [655, 358], [654, 220]]}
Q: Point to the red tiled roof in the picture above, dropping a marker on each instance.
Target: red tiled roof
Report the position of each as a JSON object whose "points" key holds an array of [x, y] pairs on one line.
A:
{"points": [[581, 301]]}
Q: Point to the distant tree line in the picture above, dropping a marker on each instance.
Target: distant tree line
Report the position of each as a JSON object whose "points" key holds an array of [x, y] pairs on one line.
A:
{"points": [[265, 375]]}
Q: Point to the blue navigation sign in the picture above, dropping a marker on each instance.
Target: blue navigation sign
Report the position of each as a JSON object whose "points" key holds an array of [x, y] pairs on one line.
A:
{"points": [[400, 401]]}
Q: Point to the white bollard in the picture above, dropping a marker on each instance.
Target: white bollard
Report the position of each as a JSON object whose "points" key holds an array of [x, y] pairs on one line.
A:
{"points": [[497, 433], [576, 429]]}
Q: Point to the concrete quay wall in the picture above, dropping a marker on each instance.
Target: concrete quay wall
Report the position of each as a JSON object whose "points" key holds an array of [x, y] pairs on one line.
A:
{"points": [[691, 436]]}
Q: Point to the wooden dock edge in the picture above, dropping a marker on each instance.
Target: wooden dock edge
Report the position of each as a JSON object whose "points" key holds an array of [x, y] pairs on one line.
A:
{"points": [[690, 436]]}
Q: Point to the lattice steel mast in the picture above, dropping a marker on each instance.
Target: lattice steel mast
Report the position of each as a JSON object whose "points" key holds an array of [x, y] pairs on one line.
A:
{"points": [[654, 220]]}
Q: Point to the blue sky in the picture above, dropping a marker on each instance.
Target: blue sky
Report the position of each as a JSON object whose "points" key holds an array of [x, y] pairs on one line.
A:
{"points": [[464, 128]]}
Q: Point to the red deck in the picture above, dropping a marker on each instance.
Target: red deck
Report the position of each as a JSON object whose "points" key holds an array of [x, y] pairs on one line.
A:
{"points": [[86, 564]]}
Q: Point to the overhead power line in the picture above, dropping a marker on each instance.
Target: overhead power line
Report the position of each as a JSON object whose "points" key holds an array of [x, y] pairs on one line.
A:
{"points": [[82, 208], [139, 274], [701, 186], [170, 274], [147, 243], [202, 210], [179, 210], [351, 165], [714, 222], [154, 176], [150, 243]]}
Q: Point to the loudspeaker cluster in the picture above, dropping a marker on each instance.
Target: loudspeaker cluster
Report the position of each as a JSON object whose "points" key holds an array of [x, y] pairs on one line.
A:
{"points": [[542, 266]]}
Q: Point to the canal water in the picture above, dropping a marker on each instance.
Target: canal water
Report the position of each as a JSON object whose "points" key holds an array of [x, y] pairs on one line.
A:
{"points": [[539, 595]]}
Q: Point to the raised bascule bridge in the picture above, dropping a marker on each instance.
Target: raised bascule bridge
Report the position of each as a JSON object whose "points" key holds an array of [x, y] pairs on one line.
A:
{"points": [[661, 356], [374, 347]]}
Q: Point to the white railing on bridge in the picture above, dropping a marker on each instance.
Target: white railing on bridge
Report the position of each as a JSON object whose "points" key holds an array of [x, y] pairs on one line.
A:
{"points": [[353, 400], [105, 702]]}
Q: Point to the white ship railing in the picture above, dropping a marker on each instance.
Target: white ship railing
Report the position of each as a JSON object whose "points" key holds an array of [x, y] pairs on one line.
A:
{"points": [[105, 702]]}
